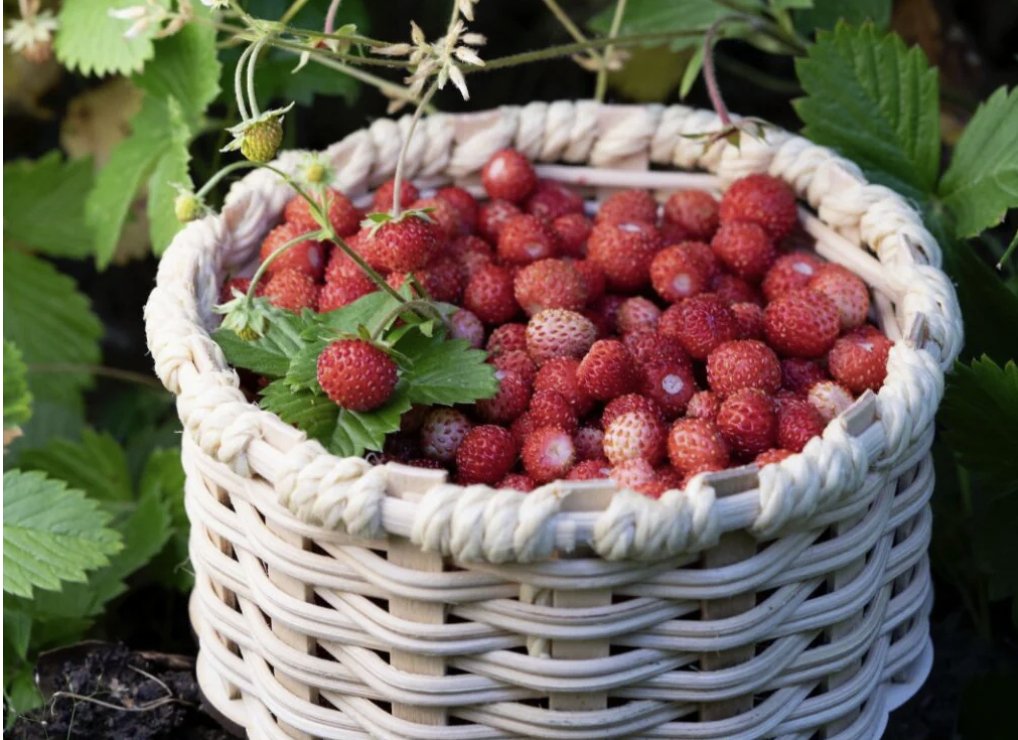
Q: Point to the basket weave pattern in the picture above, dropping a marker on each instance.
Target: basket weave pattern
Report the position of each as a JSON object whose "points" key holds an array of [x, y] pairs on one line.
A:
{"points": [[337, 599]]}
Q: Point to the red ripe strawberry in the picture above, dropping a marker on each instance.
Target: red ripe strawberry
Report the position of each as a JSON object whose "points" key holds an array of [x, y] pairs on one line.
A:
{"points": [[859, 359], [764, 200], [559, 375], [670, 384], [442, 214], [559, 333], [846, 291], [802, 324], [749, 318], [472, 253], [573, 230], [489, 295], [442, 432], [790, 272], [486, 455], [748, 422], [518, 482], [635, 434], [551, 200], [694, 211], [307, 256], [700, 324], [636, 314], [589, 443], [743, 363], [510, 401], [382, 200], [356, 375], [343, 290], [522, 428], [548, 454], [589, 470], [744, 248], [774, 455], [704, 405], [519, 362], [702, 253], [798, 423], [549, 283], [343, 215], [408, 244], [798, 375], [633, 474], [829, 398], [696, 446], [526, 238], [236, 285], [678, 272], [649, 347], [592, 278], [292, 289], [672, 233], [464, 204], [732, 289], [551, 409], [627, 205], [507, 338], [608, 370], [491, 217], [341, 265], [624, 252], [509, 175], [630, 402], [442, 280], [466, 326]]}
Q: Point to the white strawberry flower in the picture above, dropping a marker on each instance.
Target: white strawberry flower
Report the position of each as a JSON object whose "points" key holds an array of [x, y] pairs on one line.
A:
{"points": [[31, 32]]}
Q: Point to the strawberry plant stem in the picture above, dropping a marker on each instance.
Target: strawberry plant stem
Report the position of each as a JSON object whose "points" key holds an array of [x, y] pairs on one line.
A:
{"points": [[103, 371], [264, 266], [602, 74], [295, 7], [398, 177], [571, 28], [251, 63], [710, 74], [238, 87], [330, 16]]}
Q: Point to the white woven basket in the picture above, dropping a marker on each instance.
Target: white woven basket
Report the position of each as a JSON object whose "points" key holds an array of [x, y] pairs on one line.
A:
{"points": [[336, 599]]}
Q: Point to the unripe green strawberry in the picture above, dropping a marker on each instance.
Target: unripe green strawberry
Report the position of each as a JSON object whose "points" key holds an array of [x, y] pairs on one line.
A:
{"points": [[262, 139], [186, 207]]}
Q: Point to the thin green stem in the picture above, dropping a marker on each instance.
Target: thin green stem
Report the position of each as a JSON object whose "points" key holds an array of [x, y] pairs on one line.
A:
{"points": [[267, 262], [228, 169], [398, 178], [571, 28], [1008, 252], [104, 371], [602, 73], [710, 75], [295, 7], [251, 64], [353, 58], [238, 86], [387, 87]]}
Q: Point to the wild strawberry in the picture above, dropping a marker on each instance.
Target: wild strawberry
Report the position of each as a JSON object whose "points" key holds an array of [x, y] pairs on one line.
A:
{"points": [[627, 206], [549, 283], [589, 443], [343, 215], [592, 278], [344, 290], [509, 175], [859, 359], [485, 455], [507, 338], [559, 375], [572, 229], [744, 248], [489, 295], [465, 325], [526, 238], [607, 370], [238, 284], [464, 204], [790, 272], [636, 314], [519, 362], [802, 323], [798, 423], [522, 428], [510, 401], [635, 434], [548, 454], [748, 422], [262, 138], [749, 318], [518, 482], [774, 455], [650, 347], [702, 253], [413, 420], [764, 200], [670, 384], [356, 375], [700, 324], [731, 289], [551, 409], [442, 214], [696, 446], [630, 402], [559, 333], [678, 272], [704, 405], [306, 255], [472, 253], [798, 375], [846, 291], [743, 363], [442, 280], [292, 289], [624, 252], [552, 200], [589, 470], [604, 314], [341, 265], [442, 432], [672, 233], [633, 474], [492, 216], [694, 211], [382, 200], [408, 244], [829, 398]]}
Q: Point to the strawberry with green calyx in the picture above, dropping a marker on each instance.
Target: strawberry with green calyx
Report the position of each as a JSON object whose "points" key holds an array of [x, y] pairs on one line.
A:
{"points": [[258, 138], [245, 315], [187, 206]]}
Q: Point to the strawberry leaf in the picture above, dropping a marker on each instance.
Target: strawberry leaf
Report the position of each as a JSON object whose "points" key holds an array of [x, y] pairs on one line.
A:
{"points": [[90, 41], [271, 353], [357, 432], [307, 409], [96, 465], [17, 397], [445, 371]]}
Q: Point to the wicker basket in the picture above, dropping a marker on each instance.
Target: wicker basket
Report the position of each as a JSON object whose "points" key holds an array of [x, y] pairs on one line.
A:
{"points": [[336, 599]]}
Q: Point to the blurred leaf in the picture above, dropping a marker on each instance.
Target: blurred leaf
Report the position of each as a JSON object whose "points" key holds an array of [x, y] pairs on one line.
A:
{"points": [[164, 477], [650, 73], [22, 695], [95, 465], [825, 14], [98, 119], [310, 411], [356, 432], [170, 172], [982, 181], [692, 72], [17, 397], [877, 103], [662, 16], [49, 419], [44, 204], [90, 41]]}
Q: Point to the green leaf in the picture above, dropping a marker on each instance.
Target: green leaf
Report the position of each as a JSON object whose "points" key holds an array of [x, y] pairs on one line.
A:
{"points": [[825, 14], [877, 103], [356, 432], [982, 181], [170, 171], [35, 191], [445, 372], [52, 534], [163, 477], [662, 16], [90, 41], [365, 311], [269, 354], [17, 397], [95, 465], [308, 410], [980, 416], [52, 325]]}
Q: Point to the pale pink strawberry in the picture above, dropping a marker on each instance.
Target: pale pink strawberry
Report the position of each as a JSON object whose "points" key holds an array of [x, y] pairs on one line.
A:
{"points": [[846, 291], [441, 433], [589, 443], [829, 398], [633, 474], [635, 434], [704, 405], [559, 333], [637, 313], [548, 454], [465, 325]]}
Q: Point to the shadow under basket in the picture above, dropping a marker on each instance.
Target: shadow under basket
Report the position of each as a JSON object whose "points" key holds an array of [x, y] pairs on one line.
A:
{"points": [[337, 599]]}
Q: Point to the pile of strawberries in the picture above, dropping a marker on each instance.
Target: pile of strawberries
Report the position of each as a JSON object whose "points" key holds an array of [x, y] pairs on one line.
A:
{"points": [[645, 344]]}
